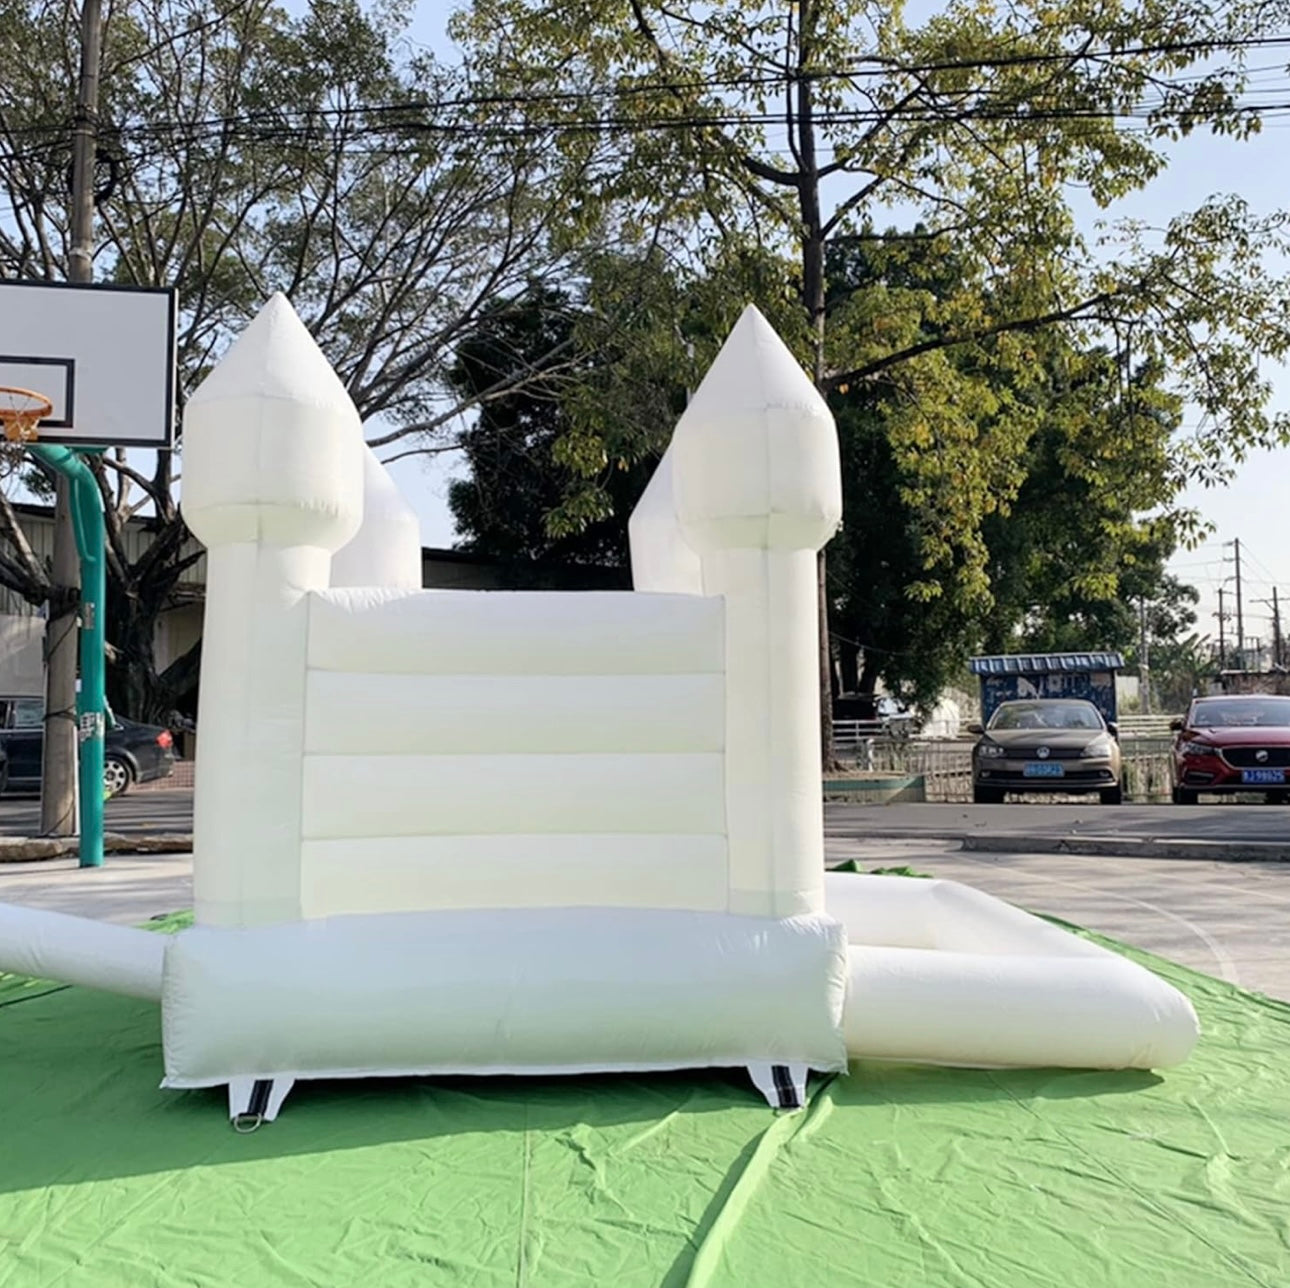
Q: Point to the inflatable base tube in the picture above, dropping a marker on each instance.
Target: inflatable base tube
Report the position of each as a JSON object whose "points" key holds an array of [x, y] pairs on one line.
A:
{"points": [[76, 950], [505, 991], [943, 974], [935, 973]]}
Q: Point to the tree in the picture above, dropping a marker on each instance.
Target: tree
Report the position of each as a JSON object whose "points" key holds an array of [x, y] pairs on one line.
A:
{"points": [[517, 483], [1068, 556], [1180, 667], [243, 151], [557, 465], [796, 125]]}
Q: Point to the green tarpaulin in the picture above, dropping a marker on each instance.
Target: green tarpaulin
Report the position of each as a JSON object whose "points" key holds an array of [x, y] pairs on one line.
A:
{"points": [[894, 1176]]}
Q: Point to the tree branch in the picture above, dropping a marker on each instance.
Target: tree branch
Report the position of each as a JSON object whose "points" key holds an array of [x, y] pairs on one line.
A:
{"points": [[1085, 309]]}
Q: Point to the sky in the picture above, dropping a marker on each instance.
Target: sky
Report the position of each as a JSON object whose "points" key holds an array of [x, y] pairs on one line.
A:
{"points": [[1252, 507]]}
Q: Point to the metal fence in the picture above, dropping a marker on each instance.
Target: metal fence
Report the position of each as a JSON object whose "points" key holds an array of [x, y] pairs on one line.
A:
{"points": [[945, 765]]}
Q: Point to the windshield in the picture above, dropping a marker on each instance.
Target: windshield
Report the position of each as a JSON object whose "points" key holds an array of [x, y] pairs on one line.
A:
{"points": [[28, 713], [1220, 713], [1046, 715]]}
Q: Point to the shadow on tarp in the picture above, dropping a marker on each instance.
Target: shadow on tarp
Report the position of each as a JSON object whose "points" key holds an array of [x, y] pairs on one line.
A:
{"points": [[81, 1099]]}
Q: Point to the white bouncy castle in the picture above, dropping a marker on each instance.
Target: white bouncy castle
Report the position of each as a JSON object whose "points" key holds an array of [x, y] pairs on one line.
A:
{"points": [[534, 833]]}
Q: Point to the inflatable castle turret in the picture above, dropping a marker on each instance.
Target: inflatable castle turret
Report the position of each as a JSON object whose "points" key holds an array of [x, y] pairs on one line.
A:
{"points": [[758, 492], [273, 487]]}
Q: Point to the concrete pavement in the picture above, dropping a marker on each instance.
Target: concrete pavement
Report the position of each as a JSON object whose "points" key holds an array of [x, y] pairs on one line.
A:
{"points": [[127, 889]]}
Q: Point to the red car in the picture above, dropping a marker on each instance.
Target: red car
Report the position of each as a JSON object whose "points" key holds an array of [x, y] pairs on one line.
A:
{"points": [[1233, 744]]}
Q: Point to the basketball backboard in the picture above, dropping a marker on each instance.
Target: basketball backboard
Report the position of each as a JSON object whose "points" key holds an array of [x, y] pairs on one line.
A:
{"points": [[103, 355]]}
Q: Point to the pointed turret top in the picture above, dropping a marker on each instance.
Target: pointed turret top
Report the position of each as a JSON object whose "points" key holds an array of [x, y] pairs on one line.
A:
{"points": [[756, 452], [272, 443], [754, 372], [275, 358]]}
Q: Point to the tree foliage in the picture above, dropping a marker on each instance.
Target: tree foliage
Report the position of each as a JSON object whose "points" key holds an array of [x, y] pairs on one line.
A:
{"points": [[1182, 666], [1069, 557], [521, 473], [245, 150], [1070, 449], [804, 129]]}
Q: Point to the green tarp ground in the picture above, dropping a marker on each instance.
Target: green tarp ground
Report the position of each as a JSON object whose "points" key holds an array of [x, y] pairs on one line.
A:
{"points": [[894, 1176]]}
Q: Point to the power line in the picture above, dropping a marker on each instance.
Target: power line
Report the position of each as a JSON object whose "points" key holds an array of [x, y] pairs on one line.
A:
{"points": [[1012, 109], [285, 132], [1254, 559]]}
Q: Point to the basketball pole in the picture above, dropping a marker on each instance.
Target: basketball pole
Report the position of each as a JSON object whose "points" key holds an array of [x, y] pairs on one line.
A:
{"points": [[79, 499], [87, 523], [62, 693]]}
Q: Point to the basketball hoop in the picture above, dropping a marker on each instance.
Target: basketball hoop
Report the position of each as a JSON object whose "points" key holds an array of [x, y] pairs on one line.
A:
{"points": [[21, 412]]}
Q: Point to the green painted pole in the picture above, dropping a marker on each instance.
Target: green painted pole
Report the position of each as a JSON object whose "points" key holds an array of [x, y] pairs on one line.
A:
{"points": [[91, 704]]}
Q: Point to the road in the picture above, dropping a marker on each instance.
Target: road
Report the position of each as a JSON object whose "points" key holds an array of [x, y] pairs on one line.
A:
{"points": [[172, 811], [132, 814], [1236, 822]]}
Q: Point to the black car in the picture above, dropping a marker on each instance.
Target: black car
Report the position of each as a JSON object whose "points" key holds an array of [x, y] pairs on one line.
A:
{"points": [[132, 753]]}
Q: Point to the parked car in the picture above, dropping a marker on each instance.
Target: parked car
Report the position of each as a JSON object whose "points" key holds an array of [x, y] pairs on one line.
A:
{"points": [[132, 753], [1046, 744], [1232, 744]]}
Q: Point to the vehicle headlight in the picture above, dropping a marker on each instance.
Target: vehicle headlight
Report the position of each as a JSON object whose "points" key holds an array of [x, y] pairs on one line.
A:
{"points": [[990, 750], [1098, 747], [1196, 749]]}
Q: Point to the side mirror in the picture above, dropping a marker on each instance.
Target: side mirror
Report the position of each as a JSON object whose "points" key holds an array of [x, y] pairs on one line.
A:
{"points": [[1113, 729], [976, 728], [1176, 724]]}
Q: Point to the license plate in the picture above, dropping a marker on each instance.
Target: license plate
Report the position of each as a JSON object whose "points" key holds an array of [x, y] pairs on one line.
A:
{"points": [[1043, 769], [1263, 775]]}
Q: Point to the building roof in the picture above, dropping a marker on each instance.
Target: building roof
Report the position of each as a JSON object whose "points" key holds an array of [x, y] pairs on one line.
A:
{"points": [[1044, 663]]}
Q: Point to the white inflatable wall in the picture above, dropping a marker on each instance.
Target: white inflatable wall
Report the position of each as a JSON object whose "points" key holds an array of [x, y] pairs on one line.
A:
{"points": [[943, 974]]}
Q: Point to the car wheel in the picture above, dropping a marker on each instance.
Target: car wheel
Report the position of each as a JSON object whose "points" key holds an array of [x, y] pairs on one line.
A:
{"points": [[1112, 795], [987, 795], [117, 776], [1183, 797]]}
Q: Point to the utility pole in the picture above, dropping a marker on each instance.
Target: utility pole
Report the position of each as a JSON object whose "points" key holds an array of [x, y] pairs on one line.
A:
{"points": [[1276, 626], [1276, 630], [1222, 635], [1144, 660], [58, 773], [1240, 614]]}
